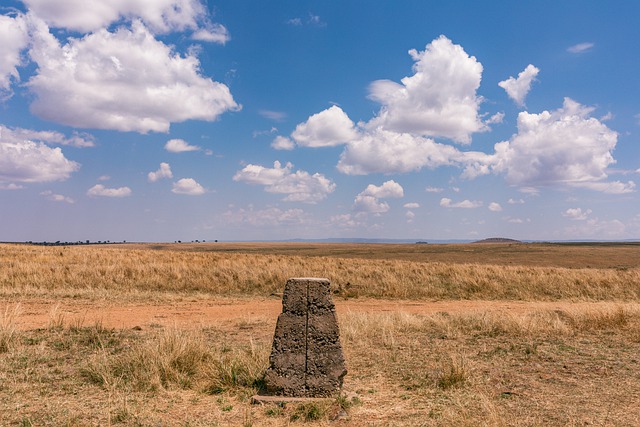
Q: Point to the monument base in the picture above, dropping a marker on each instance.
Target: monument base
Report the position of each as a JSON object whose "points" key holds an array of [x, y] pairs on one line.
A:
{"points": [[279, 400]]}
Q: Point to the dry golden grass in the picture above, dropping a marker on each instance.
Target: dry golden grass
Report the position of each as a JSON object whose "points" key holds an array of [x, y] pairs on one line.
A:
{"points": [[8, 328], [111, 272], [482, 368], [562, 367], [175, 358], [566, 255]]}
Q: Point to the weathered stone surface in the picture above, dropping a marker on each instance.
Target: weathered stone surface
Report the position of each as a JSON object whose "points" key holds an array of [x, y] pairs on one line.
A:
{"points": [[306, 358], [294, 298]]}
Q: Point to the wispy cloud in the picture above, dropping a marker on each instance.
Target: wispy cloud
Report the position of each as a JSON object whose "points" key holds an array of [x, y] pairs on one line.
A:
{"points": [[100, 190], [79, 140], [311, 20], [180, 146], [11, 186], [50, 195], [277, 116], [269, 217], [214, 33], [465, 204], [497, 118], [580, 47], [299, 186]]}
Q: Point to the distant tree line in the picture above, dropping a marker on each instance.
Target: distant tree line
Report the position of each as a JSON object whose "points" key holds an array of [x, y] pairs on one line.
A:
{"points": [[77, 243], [98, 242]]}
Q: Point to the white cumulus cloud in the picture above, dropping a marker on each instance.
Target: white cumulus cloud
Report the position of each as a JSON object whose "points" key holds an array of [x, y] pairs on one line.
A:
{"points": [[412, 205], [180, 146], [14, 36], [24, 160], [299, 186], [369, 199], [123, 80], [90, 15], [100, 190], [325, 129], [370, 204], [384, 151], [163, 172], [577, 214], [282, 143], [188, 186], [517, 89], [562, 147], [438, 100], [386, 190], [495, 207]]}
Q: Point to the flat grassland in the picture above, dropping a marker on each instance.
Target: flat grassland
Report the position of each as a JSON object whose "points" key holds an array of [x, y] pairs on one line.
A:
{"points": [[180, 334]]}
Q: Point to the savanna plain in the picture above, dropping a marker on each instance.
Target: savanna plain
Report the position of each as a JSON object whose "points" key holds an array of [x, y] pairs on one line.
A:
{"points": [[504, 334]]}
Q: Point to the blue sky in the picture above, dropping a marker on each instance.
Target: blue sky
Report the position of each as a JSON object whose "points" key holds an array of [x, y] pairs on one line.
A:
{"points": [[170, 120]]}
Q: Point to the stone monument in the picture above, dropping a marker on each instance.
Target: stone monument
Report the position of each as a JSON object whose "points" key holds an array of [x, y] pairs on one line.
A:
{"points": [[306, 358]]}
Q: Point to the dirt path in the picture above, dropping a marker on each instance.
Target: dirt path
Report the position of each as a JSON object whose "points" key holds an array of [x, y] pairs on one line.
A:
{"points": [[39, 313]]}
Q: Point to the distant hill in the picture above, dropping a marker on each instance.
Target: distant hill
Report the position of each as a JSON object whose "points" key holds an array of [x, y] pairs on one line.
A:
{"points": [[498, 240]]}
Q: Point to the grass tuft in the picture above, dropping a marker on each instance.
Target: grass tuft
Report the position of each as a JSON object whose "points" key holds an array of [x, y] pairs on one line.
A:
{"points": [[453, 374], [56, 319], [309, 411], [8, 331], [233, 370], [179, 359]]}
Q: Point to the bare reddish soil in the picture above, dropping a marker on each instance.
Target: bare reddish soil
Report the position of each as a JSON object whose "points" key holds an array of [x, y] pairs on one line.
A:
{"points": [[40, 313]]}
